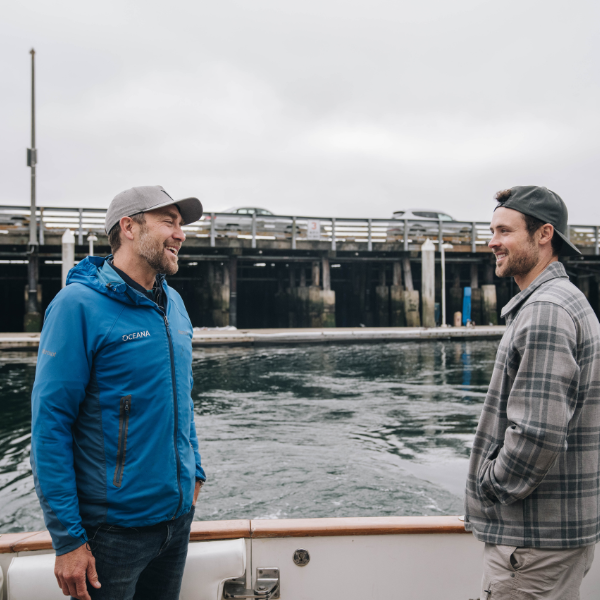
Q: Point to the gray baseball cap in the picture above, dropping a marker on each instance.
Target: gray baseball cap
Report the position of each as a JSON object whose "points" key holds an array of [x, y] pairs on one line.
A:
{"points": [[545, 205], [146, 198]]}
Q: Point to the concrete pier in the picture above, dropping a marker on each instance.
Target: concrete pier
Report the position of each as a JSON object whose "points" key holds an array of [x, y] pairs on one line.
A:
{"points": [[29, 342], [271, 274]]}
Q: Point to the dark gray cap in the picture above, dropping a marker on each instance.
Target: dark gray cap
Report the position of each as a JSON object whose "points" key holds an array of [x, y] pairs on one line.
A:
{"points": [[146, 198], [545, 205]]}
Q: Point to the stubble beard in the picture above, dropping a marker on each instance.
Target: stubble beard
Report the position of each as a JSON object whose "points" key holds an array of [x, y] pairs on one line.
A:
{"points": [[153, 252], [519, 265]]}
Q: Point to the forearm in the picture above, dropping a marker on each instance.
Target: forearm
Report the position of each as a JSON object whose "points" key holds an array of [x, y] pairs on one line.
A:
{"points": [[513, 475]]}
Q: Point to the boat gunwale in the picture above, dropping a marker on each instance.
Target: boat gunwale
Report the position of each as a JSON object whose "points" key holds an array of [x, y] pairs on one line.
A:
{"points": [[276, 528]]}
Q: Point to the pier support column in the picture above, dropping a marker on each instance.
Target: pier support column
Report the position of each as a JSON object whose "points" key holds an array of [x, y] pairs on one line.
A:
{"points": [[455, 293], [316, 274], [292, 295], [315, 307], [282, 297], [326, 273], [368, 316], [68, 254], [382, 300], [474, 275], [328, 299], [300, 302], [321, 302], [489, 309], [411, 297], [488, 275], [476, 306], [397, 318], [327, 296], [428, 283], [476, 296], [301, 306], [218, 277], [503, 293], [233, 291]]}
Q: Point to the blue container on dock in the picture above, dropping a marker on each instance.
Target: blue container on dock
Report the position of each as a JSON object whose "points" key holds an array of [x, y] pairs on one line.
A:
{"points": [[466, 316]]}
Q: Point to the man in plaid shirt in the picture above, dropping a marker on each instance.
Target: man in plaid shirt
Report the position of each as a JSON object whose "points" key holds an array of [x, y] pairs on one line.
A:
{"points": [[533, 489]]}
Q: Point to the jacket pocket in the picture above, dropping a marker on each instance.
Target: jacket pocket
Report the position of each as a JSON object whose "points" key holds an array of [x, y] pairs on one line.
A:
{"points": [[122, 442], [490, 455]]}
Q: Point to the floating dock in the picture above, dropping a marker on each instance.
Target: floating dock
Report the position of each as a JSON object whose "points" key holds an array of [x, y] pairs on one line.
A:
{"points": [[275, 337]]}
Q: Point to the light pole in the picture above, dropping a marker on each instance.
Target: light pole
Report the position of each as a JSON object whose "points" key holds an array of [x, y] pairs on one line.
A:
{"points": [[33, 319]]}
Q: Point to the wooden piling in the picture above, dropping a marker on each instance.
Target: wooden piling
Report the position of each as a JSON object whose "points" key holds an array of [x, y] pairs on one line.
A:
{"points": [[489, 309]]}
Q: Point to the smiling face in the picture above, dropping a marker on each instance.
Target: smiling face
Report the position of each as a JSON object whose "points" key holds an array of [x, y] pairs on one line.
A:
{"points": [[160, 239], [516, 251]]}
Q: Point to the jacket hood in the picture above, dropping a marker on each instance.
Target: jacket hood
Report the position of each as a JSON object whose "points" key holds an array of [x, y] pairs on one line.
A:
{"points": [[96, 273]]}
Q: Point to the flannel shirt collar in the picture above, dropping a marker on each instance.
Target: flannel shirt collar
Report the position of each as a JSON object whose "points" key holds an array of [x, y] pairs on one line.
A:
{"points": [[556, 270]]}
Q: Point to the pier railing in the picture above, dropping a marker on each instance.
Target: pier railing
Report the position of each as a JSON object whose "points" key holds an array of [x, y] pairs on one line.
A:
{"points": [[217, 228]]}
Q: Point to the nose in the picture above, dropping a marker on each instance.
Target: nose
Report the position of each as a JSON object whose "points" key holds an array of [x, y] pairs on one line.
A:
{"points": [[493, 243], [179, 234]]}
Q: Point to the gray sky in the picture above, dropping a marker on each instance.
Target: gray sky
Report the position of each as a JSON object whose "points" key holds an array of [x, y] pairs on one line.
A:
{"points": [[325, 108]]}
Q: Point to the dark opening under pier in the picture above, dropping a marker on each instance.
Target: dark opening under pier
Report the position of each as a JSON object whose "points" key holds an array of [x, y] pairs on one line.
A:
{"points": [[280, 272]]}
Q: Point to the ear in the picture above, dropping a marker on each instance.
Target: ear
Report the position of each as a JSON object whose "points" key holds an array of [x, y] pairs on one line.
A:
{"points": [[545, 232], [127, 225]]}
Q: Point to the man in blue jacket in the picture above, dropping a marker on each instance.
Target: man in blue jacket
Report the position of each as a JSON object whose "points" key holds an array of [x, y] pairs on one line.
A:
{"points": [[114, 447]]}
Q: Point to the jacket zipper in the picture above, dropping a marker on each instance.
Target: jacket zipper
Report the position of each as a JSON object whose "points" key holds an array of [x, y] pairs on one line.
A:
{"points": [[176, 418], [122, 443]]}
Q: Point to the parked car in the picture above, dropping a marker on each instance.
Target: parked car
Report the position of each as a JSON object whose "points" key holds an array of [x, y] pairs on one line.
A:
{"points": [[240, 219], [425, 222], [250, 210]]}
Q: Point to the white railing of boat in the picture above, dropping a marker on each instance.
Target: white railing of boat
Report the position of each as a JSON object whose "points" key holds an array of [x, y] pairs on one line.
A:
{"points": [[379, 558]]}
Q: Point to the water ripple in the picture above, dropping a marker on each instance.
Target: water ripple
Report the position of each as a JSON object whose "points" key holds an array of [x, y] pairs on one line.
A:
{"points": [[310, 431]]}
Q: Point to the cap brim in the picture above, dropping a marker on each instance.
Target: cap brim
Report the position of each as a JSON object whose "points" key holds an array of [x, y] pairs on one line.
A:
{"points": [[189, 208], [567, 248]]}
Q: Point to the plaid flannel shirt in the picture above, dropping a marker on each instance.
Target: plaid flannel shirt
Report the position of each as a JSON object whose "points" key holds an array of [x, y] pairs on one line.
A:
{"points": [[534, 474]]}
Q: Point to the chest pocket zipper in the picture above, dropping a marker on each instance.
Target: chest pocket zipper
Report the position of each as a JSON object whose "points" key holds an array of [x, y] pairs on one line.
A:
{"points": [[122, 443]]}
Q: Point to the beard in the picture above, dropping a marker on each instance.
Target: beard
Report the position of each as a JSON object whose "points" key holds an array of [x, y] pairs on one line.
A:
{"points": [[153, 251], [519, 264]]}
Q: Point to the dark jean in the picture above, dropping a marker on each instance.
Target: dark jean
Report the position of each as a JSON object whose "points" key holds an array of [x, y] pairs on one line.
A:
{"points": [[140, 563]]}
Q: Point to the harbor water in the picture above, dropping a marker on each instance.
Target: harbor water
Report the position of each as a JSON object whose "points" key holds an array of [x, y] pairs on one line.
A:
{"points": [[306, 431]]}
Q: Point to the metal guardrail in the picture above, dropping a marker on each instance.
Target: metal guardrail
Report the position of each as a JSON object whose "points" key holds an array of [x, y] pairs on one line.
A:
{"points": [[368, 233]]}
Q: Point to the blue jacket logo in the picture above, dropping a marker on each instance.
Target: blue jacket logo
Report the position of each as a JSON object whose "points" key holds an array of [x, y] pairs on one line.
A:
{"points": [[135, 336]]}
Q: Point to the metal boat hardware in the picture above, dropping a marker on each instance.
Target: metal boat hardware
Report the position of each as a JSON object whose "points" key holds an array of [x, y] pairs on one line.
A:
{"points": [[266, 586], [301, 557]]}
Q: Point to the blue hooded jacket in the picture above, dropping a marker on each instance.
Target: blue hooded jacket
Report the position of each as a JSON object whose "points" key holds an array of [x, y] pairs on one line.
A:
{"points": [[113, 435]]}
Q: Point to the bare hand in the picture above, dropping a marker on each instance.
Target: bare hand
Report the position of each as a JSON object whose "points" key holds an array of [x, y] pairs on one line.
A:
{"points": [[71, 569], [196, 492]]}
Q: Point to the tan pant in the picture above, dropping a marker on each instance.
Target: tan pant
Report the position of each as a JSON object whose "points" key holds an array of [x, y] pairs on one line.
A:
{"points": [[516, 573]]}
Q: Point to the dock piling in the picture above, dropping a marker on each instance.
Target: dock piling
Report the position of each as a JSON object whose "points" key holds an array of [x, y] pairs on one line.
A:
{"points": [[428, 283], [68, 254]]}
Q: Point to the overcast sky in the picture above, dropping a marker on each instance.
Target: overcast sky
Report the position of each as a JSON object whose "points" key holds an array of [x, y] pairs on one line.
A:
{"points": [[313, 107]]}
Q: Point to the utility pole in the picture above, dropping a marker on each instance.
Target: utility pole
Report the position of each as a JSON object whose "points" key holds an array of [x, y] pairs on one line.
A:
{"points": [[33, 318]]}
